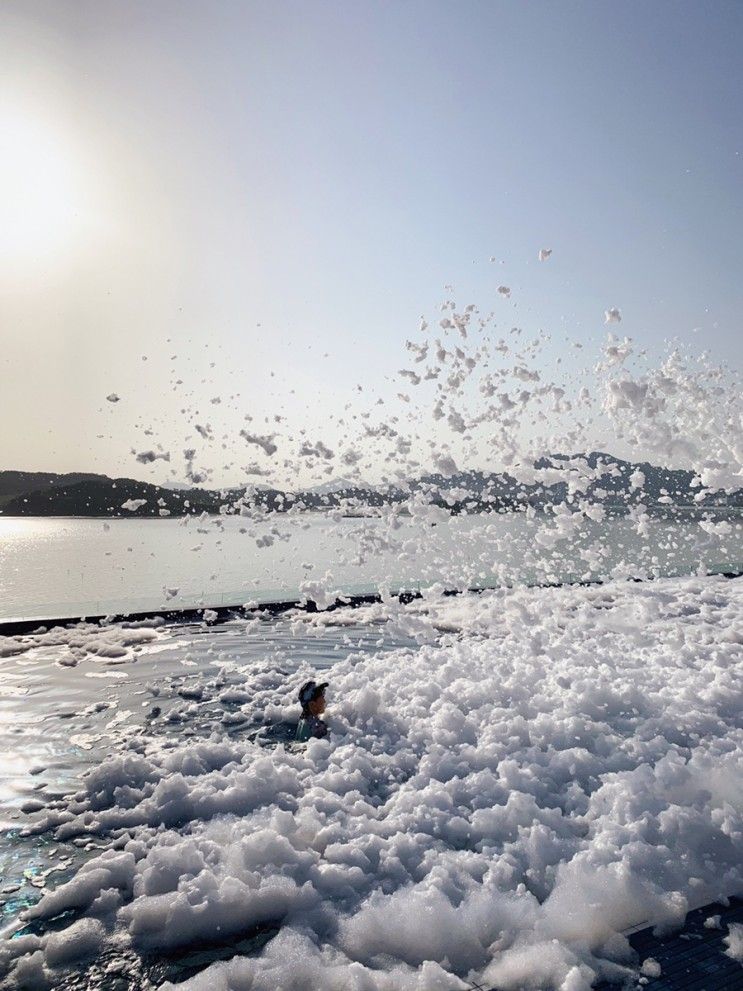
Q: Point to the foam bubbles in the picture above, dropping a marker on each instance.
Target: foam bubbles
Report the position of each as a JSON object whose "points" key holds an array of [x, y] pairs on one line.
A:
{"points": [[497, 805]]}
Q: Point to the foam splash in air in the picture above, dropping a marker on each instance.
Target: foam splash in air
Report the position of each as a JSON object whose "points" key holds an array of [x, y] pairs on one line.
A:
{"points": [[550, 767]]}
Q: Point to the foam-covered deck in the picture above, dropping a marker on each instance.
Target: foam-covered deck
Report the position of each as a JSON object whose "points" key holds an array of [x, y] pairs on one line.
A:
{"points": [[695, 957], [547, 769]]}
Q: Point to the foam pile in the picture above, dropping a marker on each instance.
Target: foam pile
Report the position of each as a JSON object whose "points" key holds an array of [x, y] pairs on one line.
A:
{"points": [[498, 805], [113, 643]]}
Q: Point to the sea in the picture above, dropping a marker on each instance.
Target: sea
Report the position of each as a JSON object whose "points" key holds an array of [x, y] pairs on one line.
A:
{"points": [[62, 567]]}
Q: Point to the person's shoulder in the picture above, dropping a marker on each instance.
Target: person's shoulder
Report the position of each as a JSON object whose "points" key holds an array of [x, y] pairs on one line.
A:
{"points": [[310, 726], [304, 730]]}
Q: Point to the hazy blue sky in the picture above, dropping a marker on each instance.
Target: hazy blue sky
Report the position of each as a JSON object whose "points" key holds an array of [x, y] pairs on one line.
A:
{"points": [[283, 179]]}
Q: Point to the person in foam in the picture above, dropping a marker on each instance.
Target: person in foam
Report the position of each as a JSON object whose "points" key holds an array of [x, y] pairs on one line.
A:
{"points": [[312, 700]]}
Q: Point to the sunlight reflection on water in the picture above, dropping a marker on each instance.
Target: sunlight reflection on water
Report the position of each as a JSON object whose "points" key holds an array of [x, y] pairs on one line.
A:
{"points": [[75, 567]]}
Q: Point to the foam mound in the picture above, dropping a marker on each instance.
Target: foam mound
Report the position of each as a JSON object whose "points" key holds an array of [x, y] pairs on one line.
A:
{"points": [[498, 805]]}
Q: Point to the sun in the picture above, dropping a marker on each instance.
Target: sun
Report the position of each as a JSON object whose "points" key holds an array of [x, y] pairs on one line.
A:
{"points": [[40, 189]]}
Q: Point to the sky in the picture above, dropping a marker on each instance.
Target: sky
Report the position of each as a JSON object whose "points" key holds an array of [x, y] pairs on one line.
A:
{"points": [[257, 201]]}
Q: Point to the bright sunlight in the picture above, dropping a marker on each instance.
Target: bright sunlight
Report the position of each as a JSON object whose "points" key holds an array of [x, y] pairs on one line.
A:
{"points": [[40, 203]]}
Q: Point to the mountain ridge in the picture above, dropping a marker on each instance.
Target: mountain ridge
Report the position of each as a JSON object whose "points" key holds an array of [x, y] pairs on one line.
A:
{"points": [[618, 482]]}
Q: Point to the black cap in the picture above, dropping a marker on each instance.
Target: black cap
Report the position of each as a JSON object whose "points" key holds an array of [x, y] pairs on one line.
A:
{"points": [[310, 690]]}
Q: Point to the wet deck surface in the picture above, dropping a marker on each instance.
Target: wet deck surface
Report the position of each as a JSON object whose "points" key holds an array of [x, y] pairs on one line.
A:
{"points": [[694, 958]]}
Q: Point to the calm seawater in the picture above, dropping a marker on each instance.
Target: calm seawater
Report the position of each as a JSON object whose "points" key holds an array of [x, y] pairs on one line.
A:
{"points": [[52, 568]]}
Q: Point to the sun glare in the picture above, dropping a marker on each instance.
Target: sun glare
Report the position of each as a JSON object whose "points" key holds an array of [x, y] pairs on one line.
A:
{"points": [[40, 190]]}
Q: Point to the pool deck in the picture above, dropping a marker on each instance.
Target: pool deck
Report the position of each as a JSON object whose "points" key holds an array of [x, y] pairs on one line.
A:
{"points": [[692, 958]]}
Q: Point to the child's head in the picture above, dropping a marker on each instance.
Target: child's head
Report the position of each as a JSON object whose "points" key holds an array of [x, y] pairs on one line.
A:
{"points": [[312, 698]]}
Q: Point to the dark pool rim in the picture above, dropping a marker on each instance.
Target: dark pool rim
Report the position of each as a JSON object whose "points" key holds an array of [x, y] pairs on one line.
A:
{"points": [[222, 613]]}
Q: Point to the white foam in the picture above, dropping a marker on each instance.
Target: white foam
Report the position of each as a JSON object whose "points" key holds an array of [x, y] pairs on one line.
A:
{"points": [[498, 805], [734, 941]]}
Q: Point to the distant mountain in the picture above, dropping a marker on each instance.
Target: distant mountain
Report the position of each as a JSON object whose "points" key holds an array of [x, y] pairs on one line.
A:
{"points": [[618, 483], [336, 485], [102, 496], [15, 483], [176, 486], [98, 495], [665, 484]]}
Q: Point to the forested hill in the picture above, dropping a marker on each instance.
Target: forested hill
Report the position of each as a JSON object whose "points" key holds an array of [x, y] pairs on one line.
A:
{"points": [[98, 495], [613, 481], [17, 483]]}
